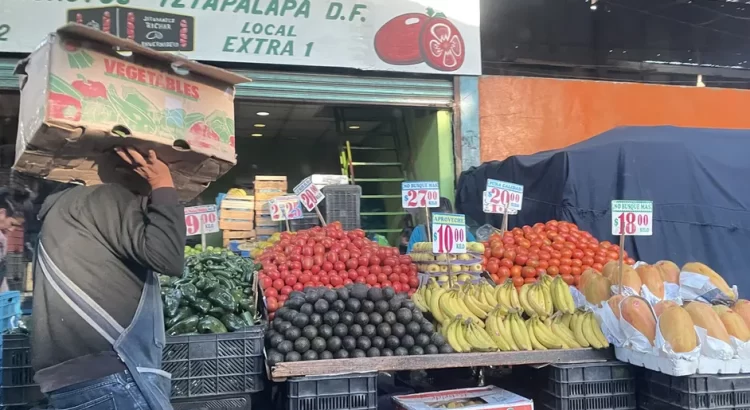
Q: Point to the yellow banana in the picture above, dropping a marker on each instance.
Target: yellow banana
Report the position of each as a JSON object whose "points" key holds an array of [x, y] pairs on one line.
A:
{"points": [[437, 312], [524, 300], [484, 336], [565, 319], [590, 327], [565, 335], [515, 303], [419, 301], [465, 310], [519, 332], [545, 336], [479, 338], [475, 307], [447, 306], [494, 332], [502, 326], [460, 331], [488, 295], [545, 291], [536, 300], [532, 337], [450, 335], [577, 327], [500, 291]]}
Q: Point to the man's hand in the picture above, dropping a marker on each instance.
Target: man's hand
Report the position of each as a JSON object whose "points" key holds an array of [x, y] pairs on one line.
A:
{"points": [[7, 223], [155, 172]]}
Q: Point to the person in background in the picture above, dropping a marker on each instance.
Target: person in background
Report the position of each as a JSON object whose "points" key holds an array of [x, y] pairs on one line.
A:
{"points": [[419, 234], [98, 328], [7, 224]]}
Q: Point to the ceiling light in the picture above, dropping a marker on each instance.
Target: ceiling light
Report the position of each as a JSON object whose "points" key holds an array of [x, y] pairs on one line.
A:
{"points": [[259, 125], [354, 127], [262, 114], [256, 135]]}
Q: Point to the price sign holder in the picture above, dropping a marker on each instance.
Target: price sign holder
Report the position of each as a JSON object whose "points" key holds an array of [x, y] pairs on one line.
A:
{"points": [[200, 220], [421, 194], [630, 218], [448, 236], [310, 196]]}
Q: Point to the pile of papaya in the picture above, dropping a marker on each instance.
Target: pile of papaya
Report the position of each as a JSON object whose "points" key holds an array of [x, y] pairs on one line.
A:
{"points": [[216, 294]]}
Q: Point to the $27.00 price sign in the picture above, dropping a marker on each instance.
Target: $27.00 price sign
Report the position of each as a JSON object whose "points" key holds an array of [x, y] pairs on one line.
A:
{"points": [[308, 194], [285, 208], [632, 218], [501, 194], [420, 194], [448, 233], [201, 219]]}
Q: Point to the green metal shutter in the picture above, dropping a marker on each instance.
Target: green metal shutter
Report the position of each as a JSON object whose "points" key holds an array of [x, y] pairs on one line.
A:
{"points": [[321, 88]]}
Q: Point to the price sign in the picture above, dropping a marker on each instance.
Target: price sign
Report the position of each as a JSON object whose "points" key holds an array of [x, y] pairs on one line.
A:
{"points": [[502, 194], [632, 218], [308, 194], [285, 208], [420, 194], [448, 233], [490, 208], [201, 219]]}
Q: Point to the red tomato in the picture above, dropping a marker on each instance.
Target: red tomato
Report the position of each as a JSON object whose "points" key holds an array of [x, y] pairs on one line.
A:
{"points": [[387, 270], [390, 261], [404, 259], [290, 280], [327, 266], [307, 250], [347, 281], [307, 262], [507, 263], [382, 278], [319, 249], [396, 287], [278, 284], [569, 279], [336, 281], [374, 269], [317, 260], [326, 280], [362, 271], [403, 278], [363, 260], [374, 261], [314, 270], [352, 264], [298, 287], [338, 266], [266, 282], [394, 277], [493, 266], [360, 280], [528, 272], [272, 304], [352, 274], [271, 293], [521, 260], [413, 282], [332, 257]]}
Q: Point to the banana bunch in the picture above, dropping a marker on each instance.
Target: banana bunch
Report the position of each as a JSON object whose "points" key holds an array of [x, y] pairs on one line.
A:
{"points": [[480, 299], [507, 295], [586, 331], [562, 299], [536, 299], [499, 331], [465, 335]]}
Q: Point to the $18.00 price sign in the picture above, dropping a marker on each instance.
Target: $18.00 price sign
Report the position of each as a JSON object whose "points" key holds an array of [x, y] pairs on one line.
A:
{"points": [[201, 219], [501, 194], [448, 233], [285, 208], [420, 194], [308, 194], [490, 208], [632, 218]]}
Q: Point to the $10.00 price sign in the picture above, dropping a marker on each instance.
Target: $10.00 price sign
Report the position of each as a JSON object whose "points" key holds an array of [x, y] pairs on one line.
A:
{"points": [[308, 194], [448, 233], [420, 194], [632, 218], [490, 208], [201, 219], [285, 208], [501, 194]]}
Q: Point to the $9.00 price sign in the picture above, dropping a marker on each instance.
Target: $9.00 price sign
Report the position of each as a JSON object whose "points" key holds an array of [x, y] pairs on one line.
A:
{"points": [[308, 194], [201, 219], [420, 194], [501, 194], [632, 218], [285, 208], [448, 233], [490, 208]]}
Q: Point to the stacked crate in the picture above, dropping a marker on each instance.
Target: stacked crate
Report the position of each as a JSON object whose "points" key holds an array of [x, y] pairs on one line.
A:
{"points": [[236, 215], [266, 189]]}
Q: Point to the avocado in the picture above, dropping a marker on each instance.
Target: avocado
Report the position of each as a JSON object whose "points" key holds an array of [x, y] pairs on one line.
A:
{"points": [[386, 352], [376, 318], [285, 347], [353, 305], [407, 341], [289, 315], [346, 318], [392, 342], [275, 340], [331, 318], [321, 306], [318, 344], [389, 317], [427, 327], [361, 318], [368, 306], [275, 323], [292, 334], [310, 355], [374, 294], [373, 352], [270, 333], [343, 294], [384, 330], [404, 316], [369, 331], [311, 295], [394, 304], [341, 354], [340, 330], [316, 319], [307, 309], [355, 330], [378, 342], [359, 291], [338, 306], [417, 315], [301, 320], [330, 296], [381, 307], [310, 332], [408, 304], [334, 344], [358, 354], [294, 302], [422, 340], [416, 350], [388, 293], [438, 340], [431, 349], [413, 328], [349, 343], [296, 294], [398, 330], [301, 345], [400, 351], [283, 326], [282, 311], [274, 357], [446, 348], [325, 355], [292, 357], [325, 331]]}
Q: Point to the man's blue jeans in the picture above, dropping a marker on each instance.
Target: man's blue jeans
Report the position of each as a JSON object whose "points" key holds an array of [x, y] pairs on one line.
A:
{"points": [[115, 392]]}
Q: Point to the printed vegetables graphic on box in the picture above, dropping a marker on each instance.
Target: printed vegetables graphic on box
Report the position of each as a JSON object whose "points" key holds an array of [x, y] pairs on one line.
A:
{"points": [[415, 38]]}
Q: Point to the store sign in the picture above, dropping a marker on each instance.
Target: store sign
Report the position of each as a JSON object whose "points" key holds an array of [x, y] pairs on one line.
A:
{"points": [[632, 218], [285, 208], [417, 36], [308, 194], [489, 208], [448, 233], [420, 194], [503, 194], [201, 219]]}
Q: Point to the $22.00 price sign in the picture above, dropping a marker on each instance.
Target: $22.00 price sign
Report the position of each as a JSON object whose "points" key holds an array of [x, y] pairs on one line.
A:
{"points": [[500, 194], [308, 194], [490, 208], [285, 208], [448, 233], [201, 219], [632, 218], [420, 194]]}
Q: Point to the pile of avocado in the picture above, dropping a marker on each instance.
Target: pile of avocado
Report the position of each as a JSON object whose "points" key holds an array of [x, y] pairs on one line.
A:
{"points": [[350, 322]]}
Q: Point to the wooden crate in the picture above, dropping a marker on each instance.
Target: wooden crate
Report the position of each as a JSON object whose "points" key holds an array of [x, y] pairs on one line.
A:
{"points": [[261, 220], [236, 225], [262, 197], [265, 230], [263, 182], [237, 214]]}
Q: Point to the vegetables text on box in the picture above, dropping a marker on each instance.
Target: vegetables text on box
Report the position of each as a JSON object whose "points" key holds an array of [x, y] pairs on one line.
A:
{"points": [[201, 219], [501, 193], [420, 194], [632, 218]]}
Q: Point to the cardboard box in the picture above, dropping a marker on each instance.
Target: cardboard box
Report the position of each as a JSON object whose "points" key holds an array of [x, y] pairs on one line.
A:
{"points": [[478, 398], [80, 98]]}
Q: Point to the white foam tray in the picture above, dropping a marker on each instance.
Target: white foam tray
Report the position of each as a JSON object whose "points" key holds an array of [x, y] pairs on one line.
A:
{"points": [[679, 367]]}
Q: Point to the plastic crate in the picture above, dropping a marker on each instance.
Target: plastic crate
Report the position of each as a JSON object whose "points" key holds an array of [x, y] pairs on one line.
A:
{"points": [[342, 204], [10, 309], [603, 402], [215, 364], [18, 387], [343, 392], [15, 265], [697, 392], [591, 379], [229, 402], [307, 221]]}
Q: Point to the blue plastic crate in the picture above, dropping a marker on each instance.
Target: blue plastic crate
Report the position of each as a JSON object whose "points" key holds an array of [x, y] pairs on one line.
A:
{"points": [[10, 309]]}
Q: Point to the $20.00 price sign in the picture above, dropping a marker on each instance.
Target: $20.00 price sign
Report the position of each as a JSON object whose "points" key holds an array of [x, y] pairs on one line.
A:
{"points": [[500, 194], [420, 194], [632, 218], [308, 194], [201, 219], [285, 208], [490, 208], [448, 233]]}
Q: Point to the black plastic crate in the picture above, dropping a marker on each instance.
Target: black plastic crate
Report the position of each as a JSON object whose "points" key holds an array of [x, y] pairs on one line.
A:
{"points": [[18, 387], [698, 392], [603, 402], [307, 221], [342, 204], [215, 364], [591, 379], [229, 402], [342, 392]]}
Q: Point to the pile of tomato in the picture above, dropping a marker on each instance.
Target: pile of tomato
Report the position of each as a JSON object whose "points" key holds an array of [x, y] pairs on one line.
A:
{"points": [[552, 248], [333, 258]]}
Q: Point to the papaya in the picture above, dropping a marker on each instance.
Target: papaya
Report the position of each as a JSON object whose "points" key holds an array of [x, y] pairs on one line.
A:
{"points": [[676, 327], [660, 307], [588, 273], [614, 304], [630, 278], [636, 311], [715, 278], [719, 309], [735, 325], [651, 277], [742, 308], [704, 316], [669, 271], [610, 269], [597, 289]]}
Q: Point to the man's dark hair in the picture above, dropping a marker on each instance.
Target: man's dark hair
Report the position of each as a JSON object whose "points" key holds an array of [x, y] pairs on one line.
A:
{"points": [[445, 206]]}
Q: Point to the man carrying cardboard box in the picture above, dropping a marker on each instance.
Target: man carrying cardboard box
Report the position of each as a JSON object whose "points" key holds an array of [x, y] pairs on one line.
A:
{"points": [[98, 328]]}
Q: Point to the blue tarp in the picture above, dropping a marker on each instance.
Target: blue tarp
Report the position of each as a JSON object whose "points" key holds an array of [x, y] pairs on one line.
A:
{"points": [[698, 179]]}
